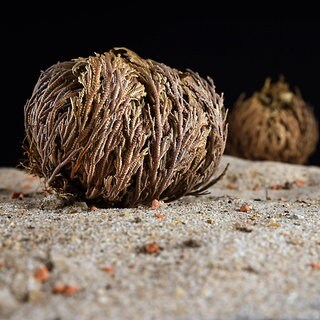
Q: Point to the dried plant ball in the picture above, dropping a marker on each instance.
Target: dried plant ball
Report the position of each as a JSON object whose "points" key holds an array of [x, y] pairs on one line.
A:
{"points": [[273, 124], [123, 131]]}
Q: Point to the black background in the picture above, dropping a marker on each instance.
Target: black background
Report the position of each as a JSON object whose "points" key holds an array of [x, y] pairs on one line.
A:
{"points": [[237, 54]]}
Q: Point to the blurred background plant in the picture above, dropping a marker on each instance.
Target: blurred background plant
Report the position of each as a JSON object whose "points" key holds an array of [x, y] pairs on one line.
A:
{"points": [[275, 124]]}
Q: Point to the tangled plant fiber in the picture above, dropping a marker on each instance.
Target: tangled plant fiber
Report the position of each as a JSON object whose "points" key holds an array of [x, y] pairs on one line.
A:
{"points": [[123, 130], [273, 124]]}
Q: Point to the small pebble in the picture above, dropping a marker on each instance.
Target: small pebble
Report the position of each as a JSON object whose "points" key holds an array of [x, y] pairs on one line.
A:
{"points": [[245, 208]]}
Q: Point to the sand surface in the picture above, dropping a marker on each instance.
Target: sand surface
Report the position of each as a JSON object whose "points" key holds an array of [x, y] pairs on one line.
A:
{"points": [[196, 258]]}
